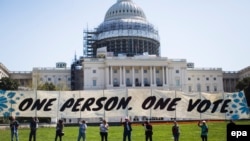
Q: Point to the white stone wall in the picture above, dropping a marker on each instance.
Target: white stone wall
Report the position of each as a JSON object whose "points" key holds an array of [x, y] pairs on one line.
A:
{"points": [[60, 77], [114, 72], [94, 70], [3, 71], [244, 73], [139, 71], [204, 80]]}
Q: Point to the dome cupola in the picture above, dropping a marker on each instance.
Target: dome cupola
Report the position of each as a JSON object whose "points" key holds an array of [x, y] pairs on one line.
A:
{"points": [[124, 9]]}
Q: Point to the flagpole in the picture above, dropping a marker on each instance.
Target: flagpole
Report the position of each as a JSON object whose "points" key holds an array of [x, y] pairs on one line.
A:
{"points": [[104, 113], [150, 108], [176, 106], [199, 86], [80, 110]]}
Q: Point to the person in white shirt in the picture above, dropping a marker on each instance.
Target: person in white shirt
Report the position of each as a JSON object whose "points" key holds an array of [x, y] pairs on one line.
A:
{"points": [[104, 130]]}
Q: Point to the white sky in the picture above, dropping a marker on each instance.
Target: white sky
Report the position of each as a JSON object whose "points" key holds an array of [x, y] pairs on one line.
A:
{"points": [[209, 33]]}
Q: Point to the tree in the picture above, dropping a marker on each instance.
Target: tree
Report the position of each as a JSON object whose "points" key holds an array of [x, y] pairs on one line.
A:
{"points": [[47, 86], [8, 84], [244, 84]]}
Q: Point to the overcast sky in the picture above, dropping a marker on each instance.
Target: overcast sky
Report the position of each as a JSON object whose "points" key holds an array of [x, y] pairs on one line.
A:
{"points": [[209, 33]]}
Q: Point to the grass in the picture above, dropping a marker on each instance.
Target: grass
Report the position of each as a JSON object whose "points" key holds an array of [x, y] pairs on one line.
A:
{"points": [[162, 132]]}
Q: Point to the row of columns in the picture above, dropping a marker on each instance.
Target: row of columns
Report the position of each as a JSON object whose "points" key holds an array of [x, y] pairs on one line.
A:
{"points": [[122, 75]]}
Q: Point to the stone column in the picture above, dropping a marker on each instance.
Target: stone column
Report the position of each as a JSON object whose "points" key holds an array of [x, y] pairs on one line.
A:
{"points": [[111, 76], [124, 77], [120, 76], [154, 76], [163, 76], [151, 77], [167, 76], [133, 76], [107, 76], [142, 79]]}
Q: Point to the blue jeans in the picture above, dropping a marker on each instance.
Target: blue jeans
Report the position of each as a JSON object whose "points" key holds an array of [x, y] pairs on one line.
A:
{"points": [[14, 134], [81, 135]]}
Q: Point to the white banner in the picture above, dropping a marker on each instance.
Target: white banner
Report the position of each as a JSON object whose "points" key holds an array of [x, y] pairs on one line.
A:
{"points": [[123, 102]]}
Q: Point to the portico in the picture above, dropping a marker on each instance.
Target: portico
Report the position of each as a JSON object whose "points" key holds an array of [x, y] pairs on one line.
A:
{"points": [[143, 71]]}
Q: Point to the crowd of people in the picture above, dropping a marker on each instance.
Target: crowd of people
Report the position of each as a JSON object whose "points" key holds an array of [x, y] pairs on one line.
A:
{"points": [[104, 127]]}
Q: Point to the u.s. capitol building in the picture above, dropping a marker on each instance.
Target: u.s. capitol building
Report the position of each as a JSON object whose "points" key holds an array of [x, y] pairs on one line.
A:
{"points": [[124, 52]]}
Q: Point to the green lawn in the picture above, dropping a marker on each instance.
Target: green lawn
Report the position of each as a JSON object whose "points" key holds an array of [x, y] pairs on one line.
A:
{"points": [[162, 132]]}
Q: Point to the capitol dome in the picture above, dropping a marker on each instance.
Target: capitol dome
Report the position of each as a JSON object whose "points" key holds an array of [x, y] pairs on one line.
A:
{"points": [[125, 30]]}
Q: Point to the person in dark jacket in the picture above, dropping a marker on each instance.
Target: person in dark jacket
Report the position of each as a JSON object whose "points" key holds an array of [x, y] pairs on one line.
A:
{"points": [[127, 129], [33, 127], [14, 124], [59, 130], [148, 131], [176, 131]]}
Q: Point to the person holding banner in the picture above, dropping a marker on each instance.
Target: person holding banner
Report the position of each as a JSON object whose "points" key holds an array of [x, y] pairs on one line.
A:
{"points": [[127, 129], [59, 130], [148, 131], [204, 130], [104, 130], [14, 124], [82, 130], [33, 127], [176, 131]]}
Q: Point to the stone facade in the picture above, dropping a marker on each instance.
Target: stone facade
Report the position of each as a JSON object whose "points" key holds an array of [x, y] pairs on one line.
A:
{"points": [[4, 72], [149, 72], [204, 80], [60, 77]]}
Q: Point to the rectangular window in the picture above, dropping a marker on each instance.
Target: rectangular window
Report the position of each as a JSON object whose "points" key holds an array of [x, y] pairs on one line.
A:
{"points": [[127, 71], [158, 82], [115, 71], [127, 81], [94, 82], [190, 88], [157, 71], [145, 71], [208, 89], [207, 78], [214, 78], [115, 82], [94, 71], [177, 82], [189, 78], [146, 82], [215, 88], [177, 71], [198, 87]]}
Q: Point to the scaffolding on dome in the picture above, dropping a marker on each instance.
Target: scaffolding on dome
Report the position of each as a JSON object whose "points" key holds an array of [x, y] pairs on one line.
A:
{"points": [[88, 40], [127, 37], [126, 25]]}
